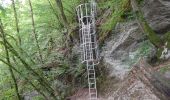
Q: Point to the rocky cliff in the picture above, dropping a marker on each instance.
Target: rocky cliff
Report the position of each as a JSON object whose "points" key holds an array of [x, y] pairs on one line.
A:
{"points": [[126, 55]]}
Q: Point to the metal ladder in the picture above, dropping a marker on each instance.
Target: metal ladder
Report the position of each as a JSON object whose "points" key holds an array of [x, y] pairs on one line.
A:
{"points": [[92, 80], [89, 51], [90, 64]]}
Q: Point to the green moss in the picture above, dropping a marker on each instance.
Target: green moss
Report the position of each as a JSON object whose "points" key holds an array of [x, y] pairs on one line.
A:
{"points": [[148, 30], [167, 39], [165, 68], [128, 15], [168, 44], [152, 35], [143, 51], [159, 52], [37, 98], [118, 7], [140, 1]]}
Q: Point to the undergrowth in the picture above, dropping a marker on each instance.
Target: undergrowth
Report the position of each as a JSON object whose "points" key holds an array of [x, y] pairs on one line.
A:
{"points": [[118, 9]]}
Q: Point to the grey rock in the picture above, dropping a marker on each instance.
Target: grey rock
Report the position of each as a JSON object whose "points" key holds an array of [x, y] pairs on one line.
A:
{"points": [[161, 83], [157, 14], [30, 95], [167, 75], [122, 48]]}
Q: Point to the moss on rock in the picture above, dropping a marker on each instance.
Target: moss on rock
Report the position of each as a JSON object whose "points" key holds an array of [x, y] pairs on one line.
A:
{"points": [[167, 39], [147, 29]]}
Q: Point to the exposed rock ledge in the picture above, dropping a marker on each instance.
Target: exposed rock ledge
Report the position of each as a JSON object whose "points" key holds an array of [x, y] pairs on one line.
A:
{"points": [[157, 13], [124, 48]]}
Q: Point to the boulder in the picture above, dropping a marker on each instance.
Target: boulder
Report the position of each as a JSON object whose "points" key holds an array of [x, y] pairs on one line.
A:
{"points": [[167, 75], [162, 84], [124, 48], [30, 95], [157, 14]]}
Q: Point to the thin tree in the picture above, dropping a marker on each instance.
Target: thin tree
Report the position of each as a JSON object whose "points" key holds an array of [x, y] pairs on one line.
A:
{"points": [[42, 81], [27, 79], [66, 24], [9, 62], [16, 21], [63, 16], [53, 9], [34, 31]]}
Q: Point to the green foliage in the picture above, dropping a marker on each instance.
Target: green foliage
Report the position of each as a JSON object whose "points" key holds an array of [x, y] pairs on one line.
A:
{"points": [[152, 35], [165, 68], [140, 1], [118, 9], [158, 42], [24, 57], [148, 30], [167, 39], [2, 11], [37, 98], [143, 51], [8, 94]]}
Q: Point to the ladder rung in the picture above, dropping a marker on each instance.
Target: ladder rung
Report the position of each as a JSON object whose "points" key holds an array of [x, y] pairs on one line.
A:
{"points": [[91, 73], [93, 95], [95, 98], [92, 78], [91, 83], [92, 89], [92, 86], [91, 70]]}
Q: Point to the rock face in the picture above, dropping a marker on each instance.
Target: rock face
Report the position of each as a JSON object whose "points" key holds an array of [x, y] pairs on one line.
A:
{"points": [[121, 51], [30, 95], [136, 91], [167, 75], [162, 83], [157, 14], [124, 48]]}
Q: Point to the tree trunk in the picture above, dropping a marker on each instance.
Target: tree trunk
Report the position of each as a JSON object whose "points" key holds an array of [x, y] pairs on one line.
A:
{"points": [[63, 16], [67, 36], [8, 61], [34, 32], [28, 80], [16, 22], [42, 81], [52, 7]]}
